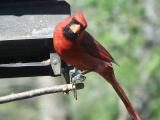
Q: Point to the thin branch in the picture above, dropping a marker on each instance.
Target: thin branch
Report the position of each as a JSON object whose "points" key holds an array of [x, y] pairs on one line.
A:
{"points": [[38, 92]]}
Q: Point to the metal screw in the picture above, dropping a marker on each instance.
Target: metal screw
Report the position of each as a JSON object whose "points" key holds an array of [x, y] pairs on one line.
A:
{"points": [[54, 61]]}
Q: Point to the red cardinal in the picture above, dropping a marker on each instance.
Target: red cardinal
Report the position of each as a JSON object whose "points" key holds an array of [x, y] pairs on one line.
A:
{"points": [[77, 47]]}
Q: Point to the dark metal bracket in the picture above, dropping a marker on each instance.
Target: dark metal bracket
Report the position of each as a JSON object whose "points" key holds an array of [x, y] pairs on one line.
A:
{"points": [[26, 27]]}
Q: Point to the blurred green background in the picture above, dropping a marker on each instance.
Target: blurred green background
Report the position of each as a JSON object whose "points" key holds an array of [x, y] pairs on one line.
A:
{"points": [[130, 31]]}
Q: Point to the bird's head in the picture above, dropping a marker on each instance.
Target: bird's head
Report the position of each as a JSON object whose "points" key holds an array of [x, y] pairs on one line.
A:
{"points": [[75, 26]]}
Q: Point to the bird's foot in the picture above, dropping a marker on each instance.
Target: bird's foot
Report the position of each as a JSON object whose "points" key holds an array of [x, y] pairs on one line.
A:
{"points": [[75, 76], [78, 77]]}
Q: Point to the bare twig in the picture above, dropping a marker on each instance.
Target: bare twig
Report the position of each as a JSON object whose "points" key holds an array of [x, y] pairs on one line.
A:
{"points": [[41, 91]]}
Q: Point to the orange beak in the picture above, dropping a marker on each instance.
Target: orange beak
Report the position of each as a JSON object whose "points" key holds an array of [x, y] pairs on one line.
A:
{"points": [[75, 28]]}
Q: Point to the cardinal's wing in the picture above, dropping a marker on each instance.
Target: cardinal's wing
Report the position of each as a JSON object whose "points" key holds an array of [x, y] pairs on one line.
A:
{"points": [[94, 48]]}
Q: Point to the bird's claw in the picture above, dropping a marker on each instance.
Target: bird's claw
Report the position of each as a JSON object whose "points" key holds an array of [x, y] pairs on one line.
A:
{"points": [[78, 77], [75, 75]]}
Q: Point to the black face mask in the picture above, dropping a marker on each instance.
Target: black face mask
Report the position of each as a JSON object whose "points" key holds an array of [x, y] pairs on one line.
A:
{"points": [[68, 33]]}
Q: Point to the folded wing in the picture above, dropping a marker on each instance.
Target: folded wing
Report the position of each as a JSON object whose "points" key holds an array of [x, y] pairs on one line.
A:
{"points": [[94, 48]]}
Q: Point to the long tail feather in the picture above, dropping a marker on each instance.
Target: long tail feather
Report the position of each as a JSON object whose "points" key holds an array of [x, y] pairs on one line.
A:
{"points": [[134, 115], [119, 90]]}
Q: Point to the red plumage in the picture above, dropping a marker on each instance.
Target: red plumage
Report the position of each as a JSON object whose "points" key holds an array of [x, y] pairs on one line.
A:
{"points": [[85, 53]]}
